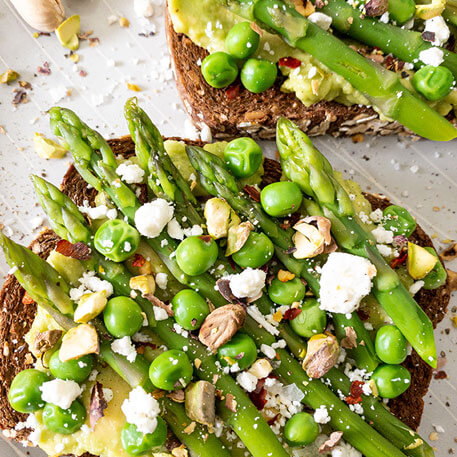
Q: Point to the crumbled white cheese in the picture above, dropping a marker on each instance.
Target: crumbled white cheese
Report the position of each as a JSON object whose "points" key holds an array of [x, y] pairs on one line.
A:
{"points": [[254, 312], [320, 19], [247, 381], [249, 283], [432, 56], [141, 409], [124, 346], [416, 287], [268, 351], [152, 217], [143, 8], [385, 18], [195, 230], [345, 280], [175, 230], [376, 215], [385, 251], [205, 133], [89, 282], [437, 26], [383, 236], [162, 280], [160, 314], [131, 173], [345, 450], [60, 393], [321, 415], [98, 212], [108, 394]]}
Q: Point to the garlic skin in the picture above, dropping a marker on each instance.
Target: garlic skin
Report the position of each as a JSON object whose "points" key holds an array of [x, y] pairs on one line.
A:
{"points": [[43, 15]]}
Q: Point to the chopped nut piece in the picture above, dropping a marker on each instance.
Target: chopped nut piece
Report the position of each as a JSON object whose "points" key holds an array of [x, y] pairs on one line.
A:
{"points": [[350, 341], [224, 288], [237, 236], [180, 451], [330, 444], [177, 396], [449, 253], [261, 368], [79, 341], [201, 402], [124, 22], [46, 148], [321, 355], [230, 403], [90, 306], [285, 276], [220, 326], [144, 283], [47, 340], [134, 87], [8, 76], [157, 302], [452, 280], [304, 7], [312, 236], [190, 428], [67, 32], [217, 214]]}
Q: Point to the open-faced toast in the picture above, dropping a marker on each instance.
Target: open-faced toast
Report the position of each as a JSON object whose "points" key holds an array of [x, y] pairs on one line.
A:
{"points": [[16, 317]]}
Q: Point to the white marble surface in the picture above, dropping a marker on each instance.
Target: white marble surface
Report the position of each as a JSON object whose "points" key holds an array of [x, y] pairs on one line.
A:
{"points": [[422, 176]]}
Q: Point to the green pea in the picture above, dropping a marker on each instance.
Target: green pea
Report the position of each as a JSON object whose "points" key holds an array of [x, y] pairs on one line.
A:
{"points": [[171, 370], [243, 157], [242, 41], [64, 421], [398, 220], [116, 240], [286, 293], [401, 11], [196, 254], [190, 309], [390, 345], [281, 198], [256, 252], [240, 349], [437, 277], [25, 394], [77, 370], [219, 69], [434, 83], [136, 443], [258, 75], [122, 317], [391, 380], [301, 430], [311, 321]]}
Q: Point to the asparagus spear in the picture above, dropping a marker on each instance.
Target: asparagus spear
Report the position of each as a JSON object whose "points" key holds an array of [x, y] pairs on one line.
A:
{"points": [[402, 43], [381, 87], [208, 368], [307, 167], [29, 265]]}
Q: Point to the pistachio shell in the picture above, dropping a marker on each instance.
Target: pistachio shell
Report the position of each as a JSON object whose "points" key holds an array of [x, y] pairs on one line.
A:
{"points": [[322, 354], [43, 15]]}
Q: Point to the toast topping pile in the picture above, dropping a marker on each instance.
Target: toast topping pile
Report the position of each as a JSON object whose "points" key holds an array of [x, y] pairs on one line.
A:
{"points": [[216, 315]]}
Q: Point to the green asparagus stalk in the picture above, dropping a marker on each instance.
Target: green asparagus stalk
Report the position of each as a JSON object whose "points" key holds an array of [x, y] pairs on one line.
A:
{"points": [[134, 373], [402, 43], [381, 87], [307, 167], [163, 178], [209, 370]]}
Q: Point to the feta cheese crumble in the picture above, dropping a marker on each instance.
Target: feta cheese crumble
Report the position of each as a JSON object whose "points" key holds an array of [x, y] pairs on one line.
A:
{"points": [[321, 415], [141, 409], [321, 20], [162, 280], [382, 235], [432, 56], [124, 346], [89, 282], [345, 280], [437, 26], [247, 381], [152, 217], [248, 284], [131, 173], [60, 393]]}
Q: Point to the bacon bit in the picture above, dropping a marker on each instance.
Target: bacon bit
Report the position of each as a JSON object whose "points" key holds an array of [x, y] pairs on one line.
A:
{"points": [[27, 299], [289, 62], [356, 393], [138, 261], [252, 192], [441, 375], [284, 275], [256, 28], [20, 96], [45, 69], [98, 404], [205, 238], [230, 403], [400, 260], [232, 92], [364, 316], [79, 251], [292, 313], [82, 73], [259, 395]]}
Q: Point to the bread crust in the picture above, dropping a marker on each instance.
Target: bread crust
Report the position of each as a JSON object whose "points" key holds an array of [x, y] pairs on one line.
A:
{"points": [[16, 318], [256, 114]]}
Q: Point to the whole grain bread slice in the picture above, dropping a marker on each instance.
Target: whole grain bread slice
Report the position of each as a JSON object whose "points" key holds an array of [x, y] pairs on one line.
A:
{"points": [[17, 317], [256, 114]]}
